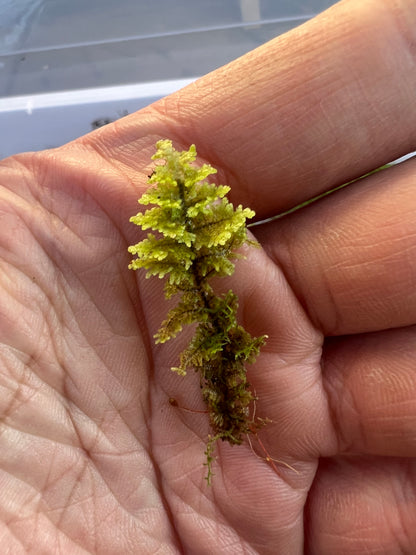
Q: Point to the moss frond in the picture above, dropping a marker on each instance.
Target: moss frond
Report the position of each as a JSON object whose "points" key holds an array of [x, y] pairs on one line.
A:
{"points": [[198, 232]]}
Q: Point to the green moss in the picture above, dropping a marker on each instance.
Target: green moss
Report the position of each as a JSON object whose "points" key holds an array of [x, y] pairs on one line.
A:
{"points": [[198, 234]]}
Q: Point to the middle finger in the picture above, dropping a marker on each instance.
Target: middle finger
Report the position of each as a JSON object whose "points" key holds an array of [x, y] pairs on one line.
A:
{"points": [[370, 381], [351, 257]]}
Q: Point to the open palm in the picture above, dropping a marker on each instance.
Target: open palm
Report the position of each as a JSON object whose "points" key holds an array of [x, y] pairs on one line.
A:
{"points": [[94, 458]]}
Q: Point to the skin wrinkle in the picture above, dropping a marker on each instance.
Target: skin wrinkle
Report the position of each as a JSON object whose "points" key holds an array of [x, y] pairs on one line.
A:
{"points": [[407, 494], [245, 540], [296, 364], [211, 518], [73, 409], [15, 536], [108, 398], [87, 450], [285, 257], [34, 497], [28, 432], [123, 172], [380, 258], [34, 534], [62, 289], [399, 541], [36, 354], [161, 487], [15, 403], [70, 504], [50, 305], [95, 346], [52, 226], [147, 344], [335, 319], [403, 19], [392, 253], [334, 401], [19, 519], [168, 505], [43, 253], [220, 524], [229, 522], [190, 428], [119, 417], [359, 428], [43, 160], [62, 543], [67, 504], [218, 511], [10, 195], [359, 432], [51, 481]]}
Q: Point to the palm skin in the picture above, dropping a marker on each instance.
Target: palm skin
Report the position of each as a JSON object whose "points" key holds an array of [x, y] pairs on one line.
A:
{"points": [[94, 458]]}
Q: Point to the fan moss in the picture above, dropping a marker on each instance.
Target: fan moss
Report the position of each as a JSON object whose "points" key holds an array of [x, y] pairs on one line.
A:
{"points": [[198, 234]]}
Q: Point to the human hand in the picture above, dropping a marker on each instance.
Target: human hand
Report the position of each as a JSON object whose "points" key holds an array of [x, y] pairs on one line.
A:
{"points": [[94, 459]]}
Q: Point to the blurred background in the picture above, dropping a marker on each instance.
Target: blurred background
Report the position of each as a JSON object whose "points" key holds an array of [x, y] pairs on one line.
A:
{"points": [[70, 66]]}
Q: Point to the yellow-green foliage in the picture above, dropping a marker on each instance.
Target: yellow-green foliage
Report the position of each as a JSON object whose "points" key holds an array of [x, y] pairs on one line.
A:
{"points": [[198, 232]]}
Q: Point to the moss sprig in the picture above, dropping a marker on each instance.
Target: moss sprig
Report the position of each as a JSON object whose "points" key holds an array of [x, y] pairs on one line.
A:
{"points": [[198, 232]]}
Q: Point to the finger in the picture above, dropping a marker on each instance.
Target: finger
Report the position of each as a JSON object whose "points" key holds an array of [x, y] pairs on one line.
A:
{"points": [[371, 384], [350, 257], [316, 107], [362, 506], [313, 108]]}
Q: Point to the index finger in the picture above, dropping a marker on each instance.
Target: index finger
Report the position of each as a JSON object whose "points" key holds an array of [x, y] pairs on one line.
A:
{"points": [[314, 108]]}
